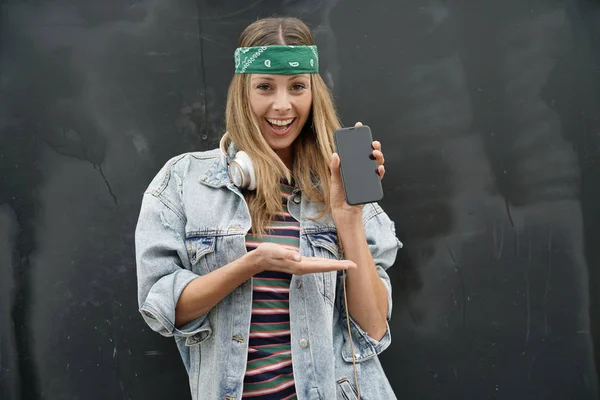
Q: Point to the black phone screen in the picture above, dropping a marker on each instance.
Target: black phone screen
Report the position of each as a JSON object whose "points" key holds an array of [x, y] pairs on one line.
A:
{"points": [[358, 167]]}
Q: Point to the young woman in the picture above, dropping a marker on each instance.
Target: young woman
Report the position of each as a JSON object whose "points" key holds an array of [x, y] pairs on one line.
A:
{"points": [[249, 254]]}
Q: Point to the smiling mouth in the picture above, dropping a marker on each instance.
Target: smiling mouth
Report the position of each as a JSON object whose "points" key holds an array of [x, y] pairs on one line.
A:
{"points": [[280, 125]]}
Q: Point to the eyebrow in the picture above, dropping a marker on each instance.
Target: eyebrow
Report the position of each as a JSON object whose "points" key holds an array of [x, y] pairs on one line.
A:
{"points": [[268, 78]]}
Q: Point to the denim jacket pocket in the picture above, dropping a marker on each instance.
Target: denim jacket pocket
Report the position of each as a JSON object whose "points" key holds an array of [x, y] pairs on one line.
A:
{"points": [[324, 245], [201, 252], [345, 390]]}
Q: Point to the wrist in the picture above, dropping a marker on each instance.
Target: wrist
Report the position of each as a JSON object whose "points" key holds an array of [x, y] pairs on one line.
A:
{"points": [[350, 234], [253, 263], [347, 220]]}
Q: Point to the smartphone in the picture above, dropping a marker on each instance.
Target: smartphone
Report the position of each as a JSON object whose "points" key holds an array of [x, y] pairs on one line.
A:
{"points": [[360, 179]]}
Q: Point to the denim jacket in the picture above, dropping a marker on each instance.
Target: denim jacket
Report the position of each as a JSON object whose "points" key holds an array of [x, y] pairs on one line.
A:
{"points": [[193, 220]]}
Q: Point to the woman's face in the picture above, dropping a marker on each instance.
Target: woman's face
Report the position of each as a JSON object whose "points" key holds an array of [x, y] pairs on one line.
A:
{"points": [[281, 104]]}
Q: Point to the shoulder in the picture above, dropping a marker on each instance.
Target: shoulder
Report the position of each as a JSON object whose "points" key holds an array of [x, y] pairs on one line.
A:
{"points": [[371, 210], [181, 167], [380, 229]]}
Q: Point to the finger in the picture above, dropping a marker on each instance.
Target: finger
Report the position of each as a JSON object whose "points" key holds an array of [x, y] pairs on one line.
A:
{"points": [[291, 255], [321, 260], [310, 265], [376, 145], [309, 268], [335, 169], [381, 171], [277, 251], [379, 157], [358, 124], [327, 262]]}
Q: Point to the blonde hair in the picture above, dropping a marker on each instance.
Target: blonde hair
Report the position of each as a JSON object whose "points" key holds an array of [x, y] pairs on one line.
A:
{"points": [[313, 147]]}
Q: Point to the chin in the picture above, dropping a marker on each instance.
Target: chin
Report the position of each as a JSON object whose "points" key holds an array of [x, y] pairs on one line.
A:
{"points": [[281, 143]]}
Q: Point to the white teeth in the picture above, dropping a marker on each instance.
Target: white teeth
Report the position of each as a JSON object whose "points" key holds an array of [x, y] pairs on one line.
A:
{"points": [[279, 122]]}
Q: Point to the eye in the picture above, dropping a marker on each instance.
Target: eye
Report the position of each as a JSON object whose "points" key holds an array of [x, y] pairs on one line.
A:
{"points": [[298, 86], [263, 86]]}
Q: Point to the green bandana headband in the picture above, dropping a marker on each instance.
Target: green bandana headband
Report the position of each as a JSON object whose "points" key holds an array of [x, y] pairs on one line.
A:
{"points": [[279, 60]]}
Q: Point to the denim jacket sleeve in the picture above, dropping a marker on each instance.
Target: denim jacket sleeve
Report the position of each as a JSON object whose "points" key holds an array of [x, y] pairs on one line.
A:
{"points": [[384, 245], [163, 269]]}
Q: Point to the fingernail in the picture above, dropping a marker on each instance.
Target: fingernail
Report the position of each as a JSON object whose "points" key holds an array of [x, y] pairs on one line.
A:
{"points": [[296, 257]]}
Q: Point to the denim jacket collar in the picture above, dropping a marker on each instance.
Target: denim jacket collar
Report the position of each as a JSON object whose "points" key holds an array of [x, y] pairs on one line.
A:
{"points": [[217, 175]]}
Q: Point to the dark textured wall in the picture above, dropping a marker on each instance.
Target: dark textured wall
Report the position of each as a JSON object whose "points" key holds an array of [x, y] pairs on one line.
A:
{"points": [[489, 115]]}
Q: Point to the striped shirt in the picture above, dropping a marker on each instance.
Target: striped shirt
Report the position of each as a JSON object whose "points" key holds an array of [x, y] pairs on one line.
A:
{"points": [[269, 374]]}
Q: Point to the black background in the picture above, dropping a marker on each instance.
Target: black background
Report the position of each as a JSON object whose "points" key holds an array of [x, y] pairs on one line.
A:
{"points": [[488, 112]]}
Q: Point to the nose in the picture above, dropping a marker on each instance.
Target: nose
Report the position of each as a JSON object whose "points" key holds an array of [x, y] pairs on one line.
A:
{"points": [[282, 101]]}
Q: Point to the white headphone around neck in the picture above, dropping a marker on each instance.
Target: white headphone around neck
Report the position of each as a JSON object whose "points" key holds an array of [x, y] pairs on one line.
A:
{"points": [[240, 168]]}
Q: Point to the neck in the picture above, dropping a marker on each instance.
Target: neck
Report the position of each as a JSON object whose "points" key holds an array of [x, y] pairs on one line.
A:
{"points": [[286, 155]]}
